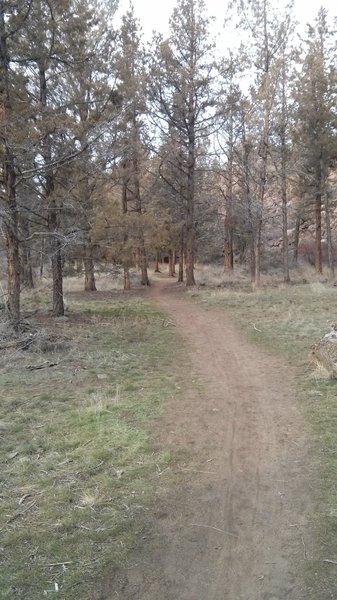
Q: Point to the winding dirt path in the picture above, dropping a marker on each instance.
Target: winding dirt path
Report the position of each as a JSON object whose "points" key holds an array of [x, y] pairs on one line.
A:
{"points": [[236, 527]]}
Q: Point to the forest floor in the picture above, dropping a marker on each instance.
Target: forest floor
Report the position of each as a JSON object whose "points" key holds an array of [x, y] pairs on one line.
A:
{"points": [[237, 524]]}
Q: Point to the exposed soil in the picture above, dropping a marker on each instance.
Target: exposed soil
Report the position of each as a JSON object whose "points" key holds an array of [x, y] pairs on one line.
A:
{"points": [[236, 526]]}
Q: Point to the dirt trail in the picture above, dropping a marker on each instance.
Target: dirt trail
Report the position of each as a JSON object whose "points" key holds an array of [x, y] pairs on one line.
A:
{"points": [[236, 527]]}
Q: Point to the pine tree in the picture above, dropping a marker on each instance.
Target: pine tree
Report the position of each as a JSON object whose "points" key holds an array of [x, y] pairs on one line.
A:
{"points": [[182, 98], [132, 88], [316, 120], [13, 140]]}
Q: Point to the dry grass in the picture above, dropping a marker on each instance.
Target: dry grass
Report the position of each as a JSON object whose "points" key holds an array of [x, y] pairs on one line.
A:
{"points": [[214, 276], [79, 469]]}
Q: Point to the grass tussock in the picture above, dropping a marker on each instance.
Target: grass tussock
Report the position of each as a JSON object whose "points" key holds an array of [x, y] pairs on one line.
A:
{"points": [[287, 320], [79, 470]]}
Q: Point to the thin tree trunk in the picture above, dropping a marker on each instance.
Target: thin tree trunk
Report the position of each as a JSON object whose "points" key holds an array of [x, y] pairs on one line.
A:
{"points": [[26, 268], [190, 224], [257, 253], [127, 284], [228, 224], [157, 270], [171, 270], [79, 266], [228, 246], [138, 204], [286, 277], [144, 279], [248, 202], [89, 270], [329, 237], [285, 250], [9, 180], [57, 273], [12, 241], [296, 239], [318, 233], [53, 221], [181, 257], [26, 258], [174, 260], [56, 263], [190, 281]]}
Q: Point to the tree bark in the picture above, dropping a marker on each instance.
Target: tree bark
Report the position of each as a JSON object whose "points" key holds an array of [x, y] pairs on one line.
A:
{"points": [[57, 274], [127, 284], [144, 279], [53, 214], [329, 237], [56, 261], [157, 270], [26, 258], [296, 239], [190, 192], [12, 240], [286, 276], [181, 257], [318, 233], [9, 179], [171, 269], [228, 246], [257, 253], [89, 270]]}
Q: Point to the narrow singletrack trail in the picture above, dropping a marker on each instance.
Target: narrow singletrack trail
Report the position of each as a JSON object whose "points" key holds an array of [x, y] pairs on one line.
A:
{"points": [[236, 527]]}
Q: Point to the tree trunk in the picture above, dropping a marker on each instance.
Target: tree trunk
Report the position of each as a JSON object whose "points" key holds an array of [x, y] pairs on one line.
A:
{"points": [[89, 267], [286, 277], [228, 224], [26, 258], [26, 268], [171, 269], [56, 255], [252, 258], [12, 240], [174, 260], [89, 270], [296, 239], [181, 257], [329, 237], [127, 284], [53, 220], [57, 274], [144, 279], [8, 186], [228, 246], [42, 251], [190, 193], [257, 253], [318, 233], [157, 270], [190, 281], [79, 266]]}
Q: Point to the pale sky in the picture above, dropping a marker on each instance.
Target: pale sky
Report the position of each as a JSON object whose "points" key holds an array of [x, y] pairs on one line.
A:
{"points": [[155, 14]]}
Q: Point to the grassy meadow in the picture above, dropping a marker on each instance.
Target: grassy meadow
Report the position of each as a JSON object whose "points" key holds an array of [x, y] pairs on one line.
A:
{"points": [[79, 469]]}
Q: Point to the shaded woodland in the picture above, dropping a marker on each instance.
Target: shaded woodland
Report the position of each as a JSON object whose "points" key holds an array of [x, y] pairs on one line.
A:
{"points": [[118, 151]]}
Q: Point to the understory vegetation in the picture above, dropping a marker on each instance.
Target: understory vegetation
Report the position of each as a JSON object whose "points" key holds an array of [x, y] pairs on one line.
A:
{"points": [[79, 470], [287, 320]]}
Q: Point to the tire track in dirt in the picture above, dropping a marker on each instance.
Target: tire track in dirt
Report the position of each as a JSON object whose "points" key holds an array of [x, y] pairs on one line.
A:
{"points": [[237, 526]]}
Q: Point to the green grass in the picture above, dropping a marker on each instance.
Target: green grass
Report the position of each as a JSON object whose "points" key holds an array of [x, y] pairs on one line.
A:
{"points": [[287, 321], [79, 469]]}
